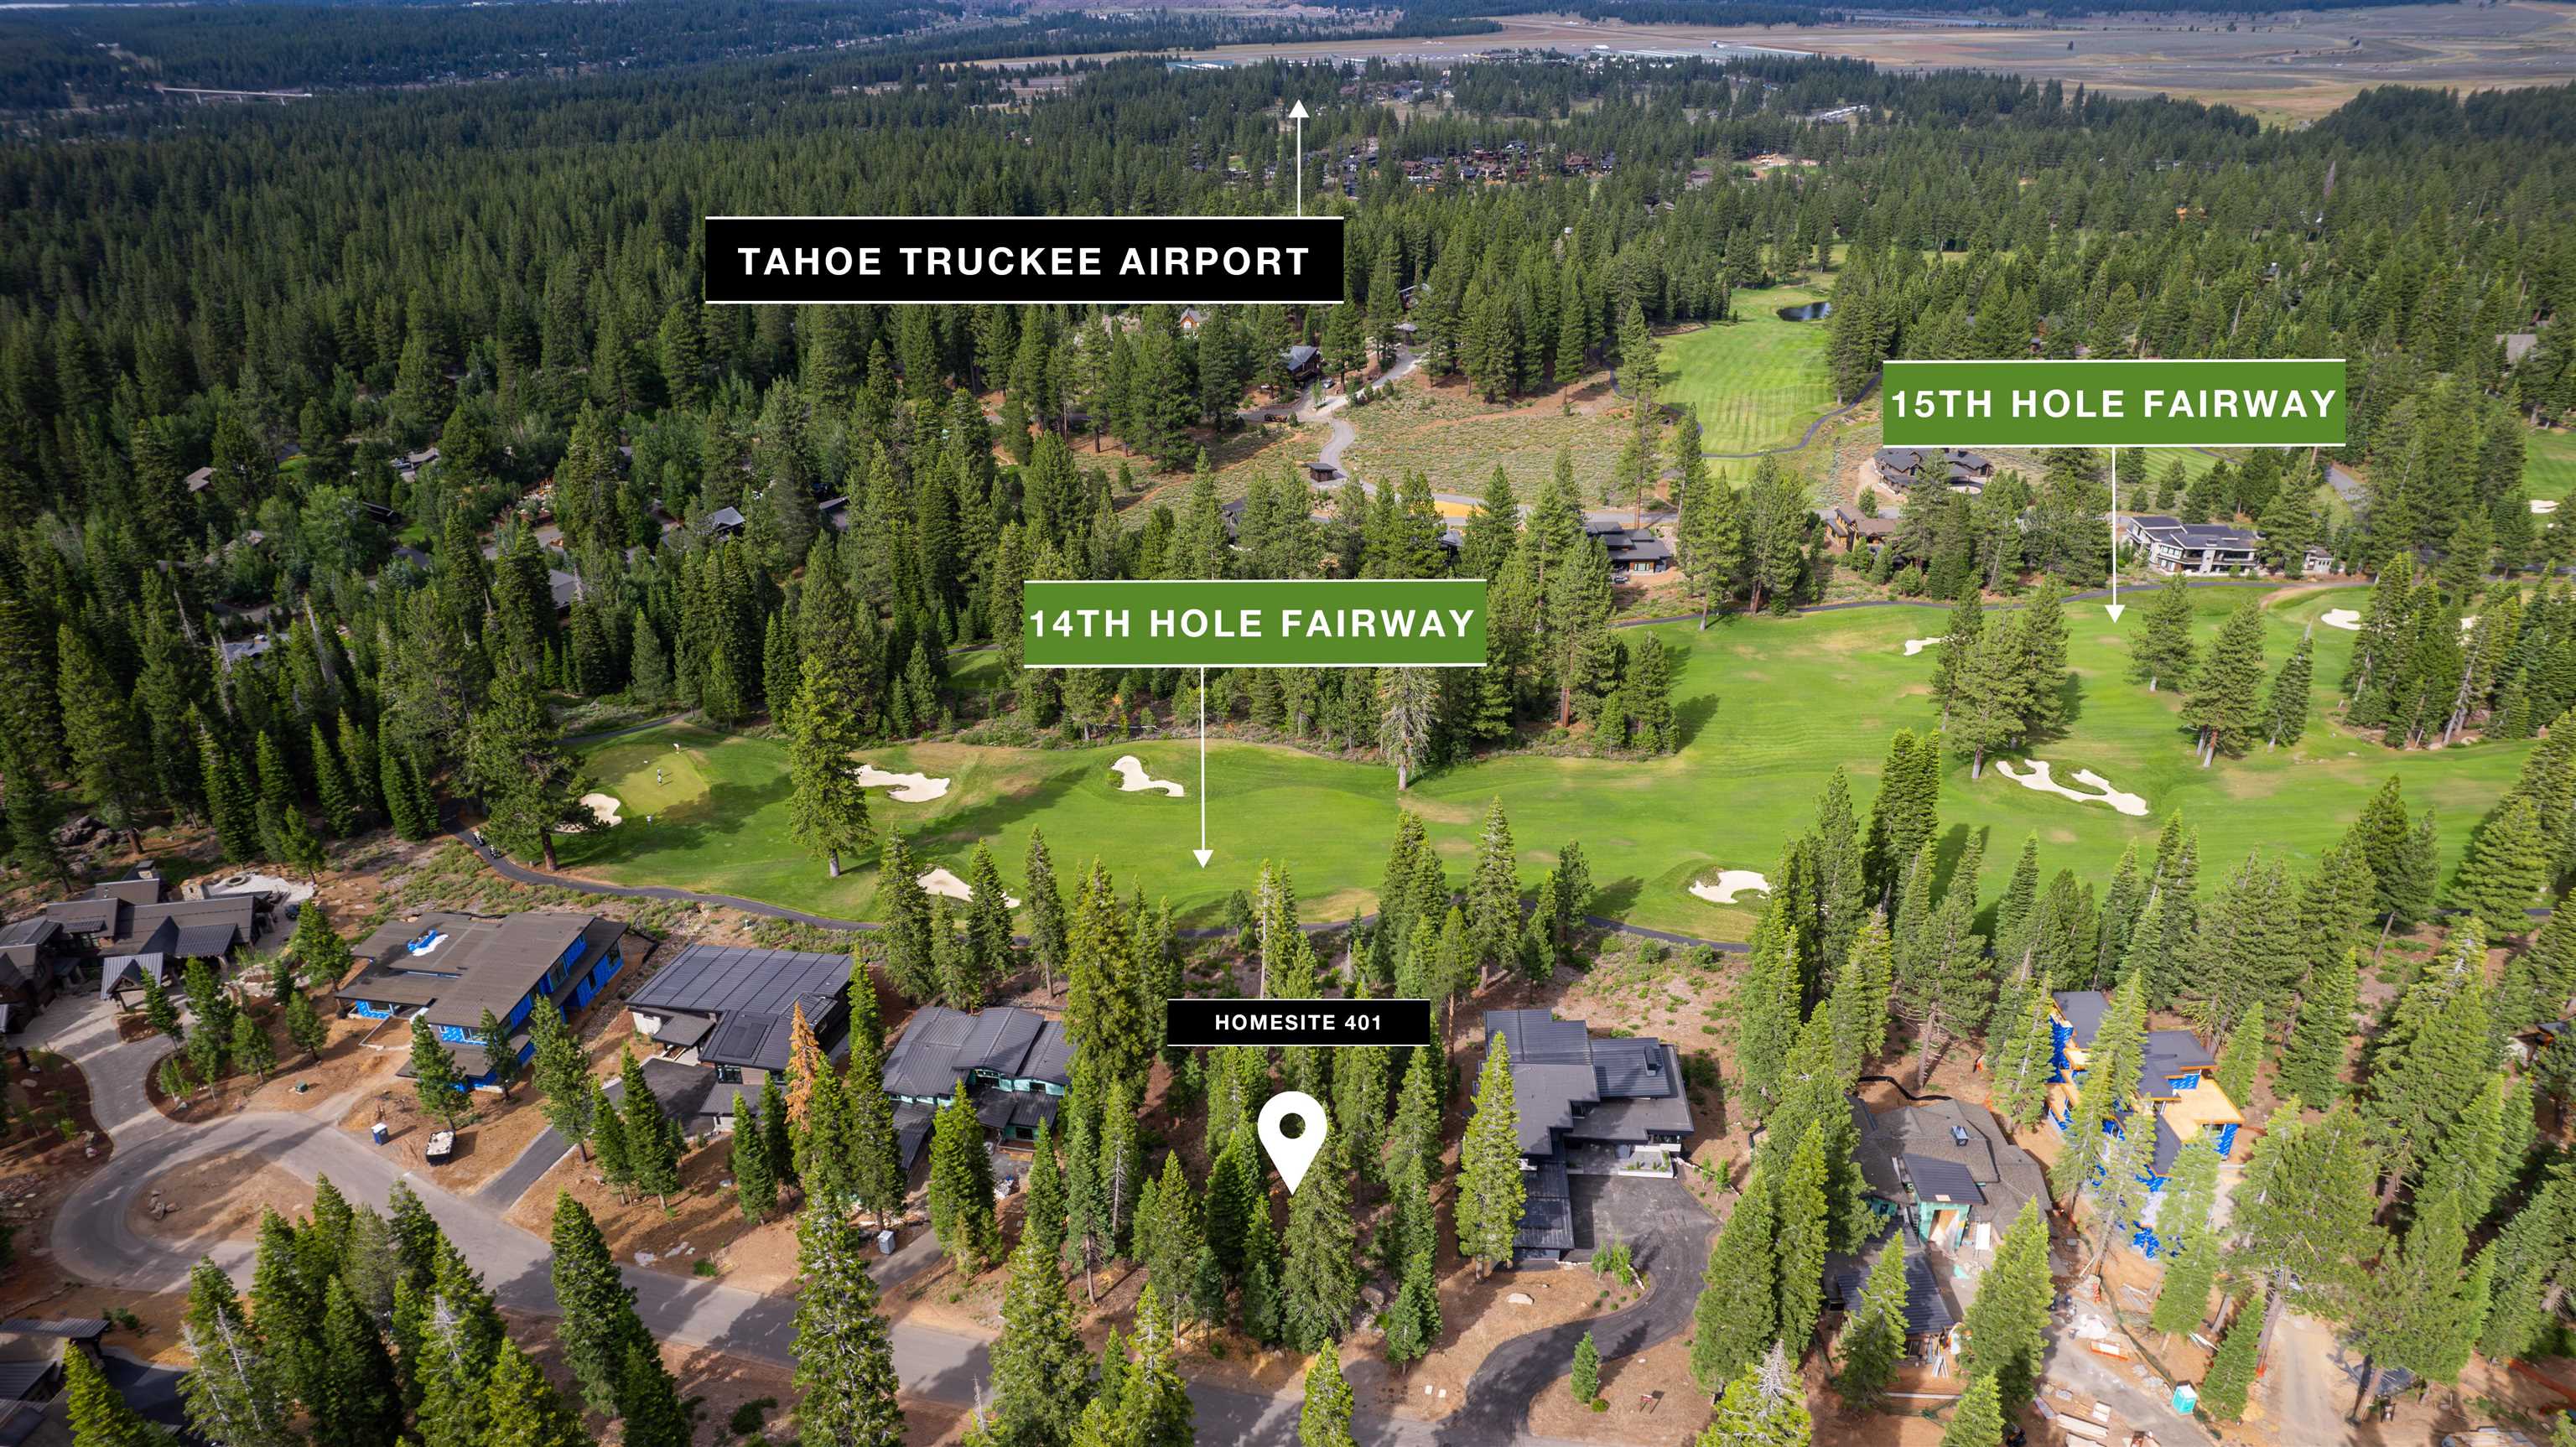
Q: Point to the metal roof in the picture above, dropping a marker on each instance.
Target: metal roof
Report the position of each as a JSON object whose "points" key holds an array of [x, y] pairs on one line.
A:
{"points": [[75, 1327], [513, 958], [2173, 1052], [714, 979], [1565, 1082], [940, 1045]]}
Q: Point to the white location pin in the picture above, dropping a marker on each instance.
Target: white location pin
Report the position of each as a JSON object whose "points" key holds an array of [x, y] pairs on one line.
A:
{"points": [[1291, 1155]]}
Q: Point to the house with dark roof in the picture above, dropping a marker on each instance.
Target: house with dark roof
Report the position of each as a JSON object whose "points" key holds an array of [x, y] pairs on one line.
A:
{"points": [[731, 1011], [2170, 545], [1586, 1106], [1631, 549], [133, 930], [1847, 527], [1953, 1175], [724, 522], [1302, 361], [33, 969], [1903, 468], [1930, 1316], [1014, 1064], [450, 968], [2177, 1099]]}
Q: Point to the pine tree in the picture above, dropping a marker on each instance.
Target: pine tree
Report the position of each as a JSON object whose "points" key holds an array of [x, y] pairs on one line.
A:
{"points": [[1319, 1286], [1874, 1338], [1768, 1000], [2190, 1250], [235, 1395], [648, 1402], [407, 801], [1324, 1420], [1586, 1375], [2312, 1063], [305, 1029], [844, 1348], [2223, 709], [523, 1407], [2025, 1062], [598, 1307], [331, 786], [100, 1416], [2306, 1203], [2008, 1322], [1041, 1374], [827, 808], [653, 1141], [1490, 1190], [1765, 1406], [755, 1183], [876, 1169], [2241, 1059], [2113, 1061], [2285, 708], [110, 753], [353, 1401], [1978, 1420], [2163, 653], [961, 1188], [515, 760], [251, 1048], [2231, 1370], [1737, 1314], [2507, 866], [561, 1073], [1805, 1237], [434, 1078]]}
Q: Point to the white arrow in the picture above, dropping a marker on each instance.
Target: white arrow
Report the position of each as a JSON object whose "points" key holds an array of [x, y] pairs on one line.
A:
{"points": [[1297, 113], [2115, 606], [1203, 852]]}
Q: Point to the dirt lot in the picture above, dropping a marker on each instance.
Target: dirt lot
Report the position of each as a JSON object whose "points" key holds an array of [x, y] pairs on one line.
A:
{"points": [[703, 1223], [217, 1198]]}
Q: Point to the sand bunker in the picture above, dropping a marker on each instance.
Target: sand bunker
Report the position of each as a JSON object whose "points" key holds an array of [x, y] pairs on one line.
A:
{"points": [[2344, 618], [2543, 505], [1916, 645], [908, 788], [1132, 778], [2103, 793], [1730, 882], [603, 810], [940, 881]]}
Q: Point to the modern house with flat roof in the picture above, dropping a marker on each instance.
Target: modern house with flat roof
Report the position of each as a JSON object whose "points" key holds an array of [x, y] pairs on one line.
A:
{"points": [[730, 1011], [2176, 1097], [1586, 1107], [2170, 545], [450, 968], [1014, 1064]]}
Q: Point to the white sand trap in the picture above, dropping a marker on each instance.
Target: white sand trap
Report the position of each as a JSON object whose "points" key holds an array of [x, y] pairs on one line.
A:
{"points": [[1133, 779], [940, 881], [908, 788], [1916, 645], [1731, 882], [603, 809], [2544, 505], [2103, 793], [2344, 618]]}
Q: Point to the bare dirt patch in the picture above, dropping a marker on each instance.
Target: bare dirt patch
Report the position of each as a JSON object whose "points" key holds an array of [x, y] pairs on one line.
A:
{"points": [[218, 1198]]}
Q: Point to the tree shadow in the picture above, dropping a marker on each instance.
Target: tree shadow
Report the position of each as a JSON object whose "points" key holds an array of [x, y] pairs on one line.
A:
{"points": [[1692, 715], [1617, 898]]}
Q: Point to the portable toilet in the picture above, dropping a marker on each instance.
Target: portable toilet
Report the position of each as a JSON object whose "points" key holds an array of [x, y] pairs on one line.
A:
{"points": [[2185, 1398]]}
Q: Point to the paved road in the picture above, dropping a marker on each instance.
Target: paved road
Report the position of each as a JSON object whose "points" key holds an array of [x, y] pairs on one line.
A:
{"points": [[92, 1242]]}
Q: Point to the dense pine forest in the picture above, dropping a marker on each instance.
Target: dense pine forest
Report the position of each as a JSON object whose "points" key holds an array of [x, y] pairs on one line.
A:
{"points": [[287, 303]]}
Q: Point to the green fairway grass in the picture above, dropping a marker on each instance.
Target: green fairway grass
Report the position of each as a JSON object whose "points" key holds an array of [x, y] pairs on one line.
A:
{"points": [[2549, 465], [1770, 707], [1757, 381]]}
